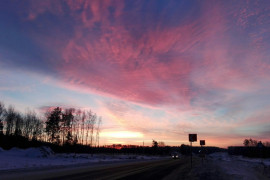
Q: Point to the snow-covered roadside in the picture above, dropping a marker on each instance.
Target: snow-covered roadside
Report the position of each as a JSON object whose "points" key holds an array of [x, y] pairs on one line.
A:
{"points": [[239, 167], [226, 157], [43, 157]]}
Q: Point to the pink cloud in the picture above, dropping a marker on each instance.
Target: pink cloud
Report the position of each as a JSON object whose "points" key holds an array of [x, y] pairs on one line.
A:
{"points": [[152, 63], [140, 69], [129, 54]]}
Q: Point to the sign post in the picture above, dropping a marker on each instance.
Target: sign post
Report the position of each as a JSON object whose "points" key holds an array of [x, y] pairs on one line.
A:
{"points": [[192, 138], [202, 154], [260, 146]]}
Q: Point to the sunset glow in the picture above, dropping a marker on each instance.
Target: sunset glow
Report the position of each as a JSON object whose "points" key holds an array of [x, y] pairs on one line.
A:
{"points": [[121, 134], [152, 69]]}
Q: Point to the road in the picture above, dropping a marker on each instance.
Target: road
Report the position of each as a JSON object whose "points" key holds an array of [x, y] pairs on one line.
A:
{"points": [[159, 169], [168, 169]]}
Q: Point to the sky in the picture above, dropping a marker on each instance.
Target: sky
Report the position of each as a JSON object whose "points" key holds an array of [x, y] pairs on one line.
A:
{"points": [[155, 69]]}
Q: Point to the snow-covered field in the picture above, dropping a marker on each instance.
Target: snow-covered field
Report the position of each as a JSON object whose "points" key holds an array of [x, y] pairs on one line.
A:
{"points": [[43, 157]]}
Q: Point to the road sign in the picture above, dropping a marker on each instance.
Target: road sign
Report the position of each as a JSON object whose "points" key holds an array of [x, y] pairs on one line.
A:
{"points": [[192, 137], [202, 142]]}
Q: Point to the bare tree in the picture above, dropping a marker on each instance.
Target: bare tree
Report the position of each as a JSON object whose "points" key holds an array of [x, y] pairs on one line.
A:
{"points": [[246, 142], [2, 116], [90, 124], [18, 124], [76, 126], [70, 126], [266, 143], [161, 144], [253, 142], [88, 117], [83, 116], [10, 120], [98, 131], [67, 125], [37, 128], [92, 127], [30, 120], [250, 142]]}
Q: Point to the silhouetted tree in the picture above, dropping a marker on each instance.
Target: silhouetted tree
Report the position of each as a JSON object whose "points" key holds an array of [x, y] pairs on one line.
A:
{"points": [[73, 127], [69, 138], [37, 129], [253, 142], [246, 142], [27, 128], [75, 141], [267, 144], [161, 144], [91, 124], [82, 117], [154, 144], [32, 126], [76, 126], [67, 125], [98, 131], [18, 124], [10, 120], [87, 125], [52, 125], [250, 142], [2, 116]]}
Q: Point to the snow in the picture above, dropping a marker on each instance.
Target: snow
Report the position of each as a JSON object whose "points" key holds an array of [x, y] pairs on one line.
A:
{"points": [[241, 167], [226, 157], [43, 157]]}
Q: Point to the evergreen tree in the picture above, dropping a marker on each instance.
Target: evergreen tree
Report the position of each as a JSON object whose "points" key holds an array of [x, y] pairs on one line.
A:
{"points": [[52, 125]]}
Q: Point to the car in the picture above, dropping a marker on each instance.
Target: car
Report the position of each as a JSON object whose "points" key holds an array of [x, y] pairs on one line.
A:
{"points": [[175, 155]]}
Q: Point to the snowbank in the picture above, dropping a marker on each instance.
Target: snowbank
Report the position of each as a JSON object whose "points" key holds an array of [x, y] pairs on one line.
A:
{"points": [[41, 157], [30, 152]]}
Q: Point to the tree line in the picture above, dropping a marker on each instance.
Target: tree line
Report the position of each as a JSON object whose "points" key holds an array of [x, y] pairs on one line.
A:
{"points": [[253, 142], [59, 126], [251, 148]]}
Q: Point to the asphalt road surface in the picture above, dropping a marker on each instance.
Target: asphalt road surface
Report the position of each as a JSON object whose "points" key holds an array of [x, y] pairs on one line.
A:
{"points": [[159, 169]]}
